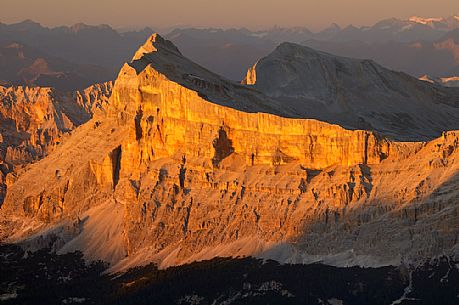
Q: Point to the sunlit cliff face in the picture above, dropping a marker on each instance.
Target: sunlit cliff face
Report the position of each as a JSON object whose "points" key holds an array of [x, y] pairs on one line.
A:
{"points": [[184, 165]]}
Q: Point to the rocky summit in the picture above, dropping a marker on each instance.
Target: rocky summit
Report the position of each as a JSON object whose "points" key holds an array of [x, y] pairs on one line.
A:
{"points": [[183, 165]]}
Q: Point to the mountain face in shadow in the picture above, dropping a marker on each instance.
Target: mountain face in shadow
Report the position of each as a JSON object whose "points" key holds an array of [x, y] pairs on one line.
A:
{"points": [[358, 94]]}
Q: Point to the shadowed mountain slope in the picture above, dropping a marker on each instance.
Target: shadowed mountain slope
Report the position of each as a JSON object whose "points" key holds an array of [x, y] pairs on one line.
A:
{"points": [[357, 94]]}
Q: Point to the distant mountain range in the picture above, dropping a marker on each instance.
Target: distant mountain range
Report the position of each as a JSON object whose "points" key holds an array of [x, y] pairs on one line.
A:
{"points": [[80, 43], [439, 57], [416, 46], [24, 65], [68, 58], [71, 58]]}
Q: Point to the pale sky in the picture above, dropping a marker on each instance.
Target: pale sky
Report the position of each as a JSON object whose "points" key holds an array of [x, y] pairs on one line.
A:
{"points": [[254, 14]]}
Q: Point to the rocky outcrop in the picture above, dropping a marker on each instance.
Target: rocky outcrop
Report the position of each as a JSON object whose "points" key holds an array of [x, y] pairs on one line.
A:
{"points": [[202, 167], [33, 120], [94, 98]]}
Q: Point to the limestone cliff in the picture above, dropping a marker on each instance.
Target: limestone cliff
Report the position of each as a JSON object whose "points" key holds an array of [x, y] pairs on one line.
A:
{"points": [[33, 120], [185, 165]]}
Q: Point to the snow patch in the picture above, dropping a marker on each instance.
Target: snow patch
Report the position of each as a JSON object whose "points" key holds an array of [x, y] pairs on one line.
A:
{"points": [[421, 20]]}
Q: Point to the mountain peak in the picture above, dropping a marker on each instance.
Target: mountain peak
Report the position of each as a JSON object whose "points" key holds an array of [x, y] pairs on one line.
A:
{"points": [[27, 24], [334, 26], [288, 45], [291, 46], [292, 50], [79, 27], [153, 44]]}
